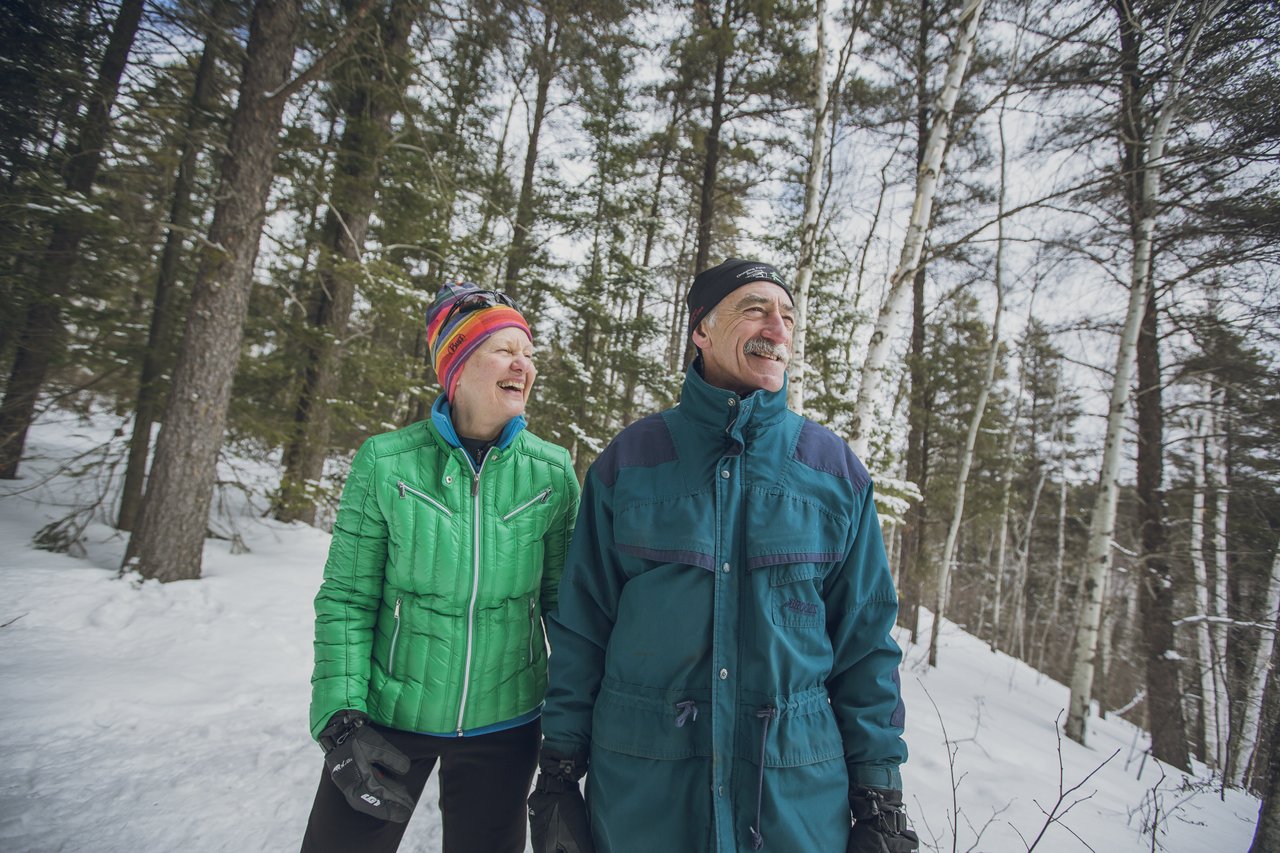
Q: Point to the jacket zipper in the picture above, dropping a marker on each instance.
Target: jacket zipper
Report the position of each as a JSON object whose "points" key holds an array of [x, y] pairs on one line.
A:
{"points": [[395, 638], [404, 488], [533, 627], [475, 587], [540, 498]]}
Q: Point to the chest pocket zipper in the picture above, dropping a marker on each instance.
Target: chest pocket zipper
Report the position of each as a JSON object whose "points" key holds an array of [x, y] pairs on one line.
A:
{"points": [[540, 498], [395, 638], [405, 489]]}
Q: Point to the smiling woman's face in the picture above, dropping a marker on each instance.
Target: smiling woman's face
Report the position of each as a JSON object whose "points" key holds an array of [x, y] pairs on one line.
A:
{"points": [[746, 344], [494, 384]]}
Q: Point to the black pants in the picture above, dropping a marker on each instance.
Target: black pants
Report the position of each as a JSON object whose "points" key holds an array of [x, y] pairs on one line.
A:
{"points": [[484, 781]]}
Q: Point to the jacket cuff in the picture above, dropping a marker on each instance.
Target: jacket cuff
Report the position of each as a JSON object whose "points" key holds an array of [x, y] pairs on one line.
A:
{"points": [[875, 776]]}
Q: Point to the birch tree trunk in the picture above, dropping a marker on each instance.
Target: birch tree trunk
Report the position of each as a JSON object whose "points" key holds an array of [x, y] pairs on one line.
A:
{"points": [[1246, 742], [1102, 524], [975, 422], [809, 221], [1204, 606], [169, 540], [1017, 642], [870, 390], [1002, 542], [1218, 476]]}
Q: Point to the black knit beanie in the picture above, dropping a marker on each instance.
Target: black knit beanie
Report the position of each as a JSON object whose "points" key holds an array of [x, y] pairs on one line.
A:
{"points": [[712, 285]]}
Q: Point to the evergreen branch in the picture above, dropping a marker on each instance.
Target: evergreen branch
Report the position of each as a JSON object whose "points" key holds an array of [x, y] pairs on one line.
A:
{"points": [[335, 51]]}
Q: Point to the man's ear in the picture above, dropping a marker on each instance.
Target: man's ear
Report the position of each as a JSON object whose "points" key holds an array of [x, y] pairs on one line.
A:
{"points": [[700, 337]]}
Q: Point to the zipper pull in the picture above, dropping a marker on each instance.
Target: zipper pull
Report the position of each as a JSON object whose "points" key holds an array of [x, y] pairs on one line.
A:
{"points": [[400, 486], [546, 495], [475, 490], [397, 612]]}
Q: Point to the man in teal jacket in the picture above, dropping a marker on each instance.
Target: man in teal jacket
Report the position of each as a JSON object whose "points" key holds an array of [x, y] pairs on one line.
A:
{"points": [[722, 669]]}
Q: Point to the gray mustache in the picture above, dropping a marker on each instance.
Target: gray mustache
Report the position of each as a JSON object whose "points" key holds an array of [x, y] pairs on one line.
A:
{"points": [[759, 346]]}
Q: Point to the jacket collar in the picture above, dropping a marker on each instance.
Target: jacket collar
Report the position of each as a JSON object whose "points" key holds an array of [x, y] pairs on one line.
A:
{"points": [[724, 411], [442, 418]]}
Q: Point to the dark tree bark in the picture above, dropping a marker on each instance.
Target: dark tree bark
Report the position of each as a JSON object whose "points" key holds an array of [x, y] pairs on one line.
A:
{"points": [[370, 103], [169, 540], [1155, 587], [912, 557], [1155, 584], [41, 335], [1265, 772], [723, 41], [160, 335], [547, 63]]}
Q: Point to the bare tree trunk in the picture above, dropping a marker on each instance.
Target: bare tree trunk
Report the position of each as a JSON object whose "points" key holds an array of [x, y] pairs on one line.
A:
{"points": [[1155, 581], [870, 392], [1102, 524], [711, 155], [160, 334], [41, 334], [1246, 742], [915, 550], [943, 589], [1059, 560], [1218, 475], [169, 540], [370, 103], [1206, 609], [1018, 629], [1267, 774], [809, 219], [546, 61], [1002, 541]]}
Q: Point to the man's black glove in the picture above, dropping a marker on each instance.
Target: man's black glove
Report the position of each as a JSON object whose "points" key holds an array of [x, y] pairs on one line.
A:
{"points": [[361, 762], [558, 820], [879, 823]]}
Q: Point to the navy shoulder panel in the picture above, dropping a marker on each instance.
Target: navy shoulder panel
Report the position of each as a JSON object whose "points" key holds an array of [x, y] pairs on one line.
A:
{"points": [[821, 449], [644, 444]]}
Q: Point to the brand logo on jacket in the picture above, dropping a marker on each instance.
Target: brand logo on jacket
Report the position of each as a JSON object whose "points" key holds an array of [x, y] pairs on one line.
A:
{"points": [[805, 608]]}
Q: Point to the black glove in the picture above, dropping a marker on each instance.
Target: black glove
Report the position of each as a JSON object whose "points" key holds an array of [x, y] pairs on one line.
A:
{"points": [[558, 820], [361, 762], [879, 823]]}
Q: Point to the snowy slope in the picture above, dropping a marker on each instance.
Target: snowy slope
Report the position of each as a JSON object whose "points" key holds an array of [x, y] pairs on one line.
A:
{"points": [[148, 717]]}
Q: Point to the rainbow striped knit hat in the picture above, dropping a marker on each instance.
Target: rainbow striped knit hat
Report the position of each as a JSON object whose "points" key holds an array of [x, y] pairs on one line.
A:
{"points": [[459, 319]]}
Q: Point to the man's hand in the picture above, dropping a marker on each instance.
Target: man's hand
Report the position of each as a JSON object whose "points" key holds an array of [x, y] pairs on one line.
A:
{"points": [[361, 762], [558, 820], [879, 823]]}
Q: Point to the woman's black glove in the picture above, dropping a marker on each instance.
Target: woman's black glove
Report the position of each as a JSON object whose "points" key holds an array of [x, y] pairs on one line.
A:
{"points": [[361, 762], [879, 823], [558, 820]]}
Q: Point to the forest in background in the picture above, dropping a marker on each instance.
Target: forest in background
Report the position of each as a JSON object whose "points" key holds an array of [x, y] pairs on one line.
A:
{"points": [[1033, 247]]}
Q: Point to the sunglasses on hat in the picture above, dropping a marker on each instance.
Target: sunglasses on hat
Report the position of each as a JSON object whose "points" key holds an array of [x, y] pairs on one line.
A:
{"points": [[477, 299]]}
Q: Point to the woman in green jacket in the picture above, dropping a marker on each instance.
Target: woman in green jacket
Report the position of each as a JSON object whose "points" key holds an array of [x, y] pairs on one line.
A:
{"points": [[447, 551]]}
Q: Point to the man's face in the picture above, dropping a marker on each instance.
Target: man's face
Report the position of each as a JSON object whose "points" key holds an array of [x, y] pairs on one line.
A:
{"points": [[746, 342]]}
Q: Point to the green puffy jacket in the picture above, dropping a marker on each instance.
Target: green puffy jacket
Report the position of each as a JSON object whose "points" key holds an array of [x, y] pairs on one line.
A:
{"points": [[430, 615]]}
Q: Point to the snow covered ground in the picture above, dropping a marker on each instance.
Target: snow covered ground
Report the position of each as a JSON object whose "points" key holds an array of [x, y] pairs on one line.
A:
{"points": [[147, 717]]}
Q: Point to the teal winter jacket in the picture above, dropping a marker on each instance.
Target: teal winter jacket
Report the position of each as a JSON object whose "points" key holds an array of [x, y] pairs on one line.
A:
{"points": [[430, 615], [722, 642]]}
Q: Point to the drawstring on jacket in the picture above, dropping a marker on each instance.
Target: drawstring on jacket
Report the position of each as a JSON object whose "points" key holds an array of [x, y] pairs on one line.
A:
{"points": [[688, 711], [767, 713]]}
